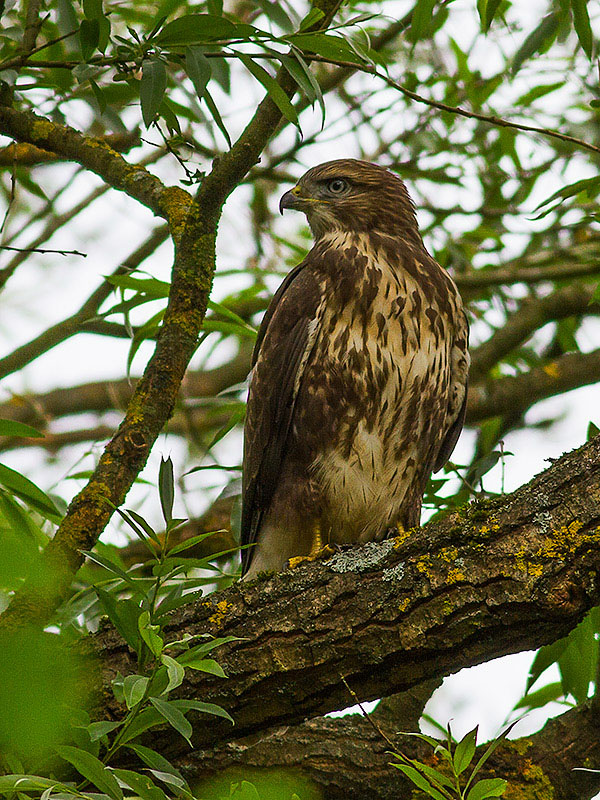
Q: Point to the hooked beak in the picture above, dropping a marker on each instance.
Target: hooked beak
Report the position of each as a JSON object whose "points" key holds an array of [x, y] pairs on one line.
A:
{"points": [[290, 199]]}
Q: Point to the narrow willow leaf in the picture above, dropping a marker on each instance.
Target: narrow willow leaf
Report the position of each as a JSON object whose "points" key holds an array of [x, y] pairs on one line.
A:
{"points": [[490, 787], [149, 634], [152, 88], [142, 785], [97, 730], [158, 762], [89, 37], [547, 694], [92, 769], [276, 93], [204, 665], [175, 672], [420, 25], [465, 750], [581, 23], [174, 717], [197, 67], [9, 427], [539, 38], [420, 781], [205, 708], [26, 490], [216, 115], [166, 488], [491, 9], [196, 28], [124, 614]]}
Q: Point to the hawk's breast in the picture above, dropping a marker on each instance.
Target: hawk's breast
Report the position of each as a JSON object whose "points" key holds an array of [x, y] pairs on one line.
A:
{"points": [[375, 389]]}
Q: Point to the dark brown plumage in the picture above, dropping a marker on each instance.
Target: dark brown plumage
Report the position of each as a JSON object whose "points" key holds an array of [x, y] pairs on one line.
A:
{"points": [[359, 374]]}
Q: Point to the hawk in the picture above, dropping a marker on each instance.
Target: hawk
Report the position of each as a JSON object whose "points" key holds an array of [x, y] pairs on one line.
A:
{"points": [[359, 377]]}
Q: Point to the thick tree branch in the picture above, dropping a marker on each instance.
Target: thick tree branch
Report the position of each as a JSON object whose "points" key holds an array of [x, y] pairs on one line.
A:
{"points": [[532, 314], [99, 157], [494, 578], [349, 760]]}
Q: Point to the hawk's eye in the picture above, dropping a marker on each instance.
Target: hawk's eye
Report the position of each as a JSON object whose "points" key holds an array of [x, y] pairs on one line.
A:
{"points": [[337, 186]]}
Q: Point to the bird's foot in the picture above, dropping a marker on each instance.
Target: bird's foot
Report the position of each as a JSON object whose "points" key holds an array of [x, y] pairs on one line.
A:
{"points": [[315, 555]]}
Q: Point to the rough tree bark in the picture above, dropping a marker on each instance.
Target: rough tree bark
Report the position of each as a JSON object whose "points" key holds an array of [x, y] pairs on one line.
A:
{"points": [[497, 577]]}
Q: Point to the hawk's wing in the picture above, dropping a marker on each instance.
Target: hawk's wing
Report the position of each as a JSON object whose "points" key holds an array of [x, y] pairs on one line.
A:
{"points": [[285, 339], [459, 369]]}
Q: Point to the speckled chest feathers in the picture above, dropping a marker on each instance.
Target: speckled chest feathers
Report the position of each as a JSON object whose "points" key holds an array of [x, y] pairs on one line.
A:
{"points": [[372, 404]]}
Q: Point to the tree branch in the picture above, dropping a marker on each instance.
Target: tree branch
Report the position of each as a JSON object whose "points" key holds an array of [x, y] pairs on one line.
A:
{"points": [[532, 314], [348, 760], [518, 393], [389, 616], [99, 157]]}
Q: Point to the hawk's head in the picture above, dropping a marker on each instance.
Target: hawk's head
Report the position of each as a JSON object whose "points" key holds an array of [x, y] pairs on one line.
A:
{"points": [[352, 195]]}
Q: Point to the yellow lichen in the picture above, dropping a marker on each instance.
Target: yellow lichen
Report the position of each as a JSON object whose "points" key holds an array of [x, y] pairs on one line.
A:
{"points": [[551, 369], [221, 610], [404, 604]]}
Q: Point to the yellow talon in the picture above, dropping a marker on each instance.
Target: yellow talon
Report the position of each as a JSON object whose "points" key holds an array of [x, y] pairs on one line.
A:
{"points": [[317, 549]]}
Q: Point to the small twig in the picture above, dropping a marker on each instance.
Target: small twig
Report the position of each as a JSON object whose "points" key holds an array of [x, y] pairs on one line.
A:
{"points": [[42, 250], [368, 717]]}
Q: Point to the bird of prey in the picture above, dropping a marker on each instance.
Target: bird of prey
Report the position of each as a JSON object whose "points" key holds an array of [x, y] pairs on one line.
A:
{"points": [[358, 385]]}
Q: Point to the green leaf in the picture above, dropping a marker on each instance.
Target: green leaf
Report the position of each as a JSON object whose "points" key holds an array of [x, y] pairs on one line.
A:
{"points": [[191, 542], [465, 750], [97, 730], [147, 286], [152, 88], [9, 427], [544, 658], [581, 23], [204, 708], [547, 694], [134, 689], [420, 25], [124, 614], [110, 566], [174, 717], [175, 672], [300, 72], [149, 634], [89, 37], [215, 114], [420, 781], [490, 787], [537, 41], [203, 665], [143, 525], [142, 785], [577, 662], [92, 9], [491, 7], [28, 783], [592, 431], [325, 45], [92, 769], [99, 95], [197, 67], [590, 186], [158, 762], [196, 28], [166, 488], [314, 16], [276, 93], [27, 491]]}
